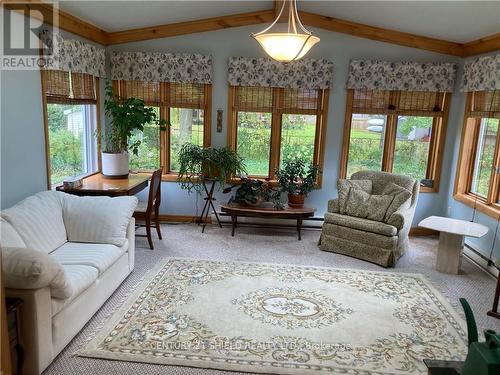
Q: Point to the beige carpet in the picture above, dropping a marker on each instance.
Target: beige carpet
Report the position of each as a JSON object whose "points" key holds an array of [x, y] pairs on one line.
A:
{"points": [[281, 319], [261, 245]]}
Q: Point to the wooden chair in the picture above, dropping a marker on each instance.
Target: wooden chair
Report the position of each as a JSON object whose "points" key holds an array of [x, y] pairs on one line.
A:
{"points": [[149, 211]]}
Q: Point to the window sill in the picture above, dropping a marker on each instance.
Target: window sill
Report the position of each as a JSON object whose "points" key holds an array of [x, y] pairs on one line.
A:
{"points": [[426, 189], [471, 201]]}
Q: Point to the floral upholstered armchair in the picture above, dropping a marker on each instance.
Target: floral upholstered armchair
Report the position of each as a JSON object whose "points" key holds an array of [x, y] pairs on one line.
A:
{"points": [[371, 218]]}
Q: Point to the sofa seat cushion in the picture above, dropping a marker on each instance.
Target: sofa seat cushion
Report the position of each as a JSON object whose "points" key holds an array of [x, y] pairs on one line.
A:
{"points": [[361, 224], [39, 221], [99, 256], [81, 277]]}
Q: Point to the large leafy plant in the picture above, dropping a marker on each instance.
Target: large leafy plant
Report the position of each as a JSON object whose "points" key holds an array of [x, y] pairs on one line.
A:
{"points": [[126, 117], [198, 164], [295, 177]]}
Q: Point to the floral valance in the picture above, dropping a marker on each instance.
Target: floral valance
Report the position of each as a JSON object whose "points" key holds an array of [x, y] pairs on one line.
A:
{"points": [[161, 67], [482, 74], [304, 73], [402, 76], [72, 55]]}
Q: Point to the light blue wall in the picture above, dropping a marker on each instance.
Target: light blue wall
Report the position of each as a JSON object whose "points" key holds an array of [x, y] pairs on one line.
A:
{"points": [[22, 145], [340, 49], [22, 141], [457, 209]]}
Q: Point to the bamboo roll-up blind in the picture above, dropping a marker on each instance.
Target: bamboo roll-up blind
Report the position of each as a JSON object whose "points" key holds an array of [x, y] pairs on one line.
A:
{"points": [[69, 88], [410, 103], [484, 104], [149, 92], [253, 99], [186, 95], [300, 101]]}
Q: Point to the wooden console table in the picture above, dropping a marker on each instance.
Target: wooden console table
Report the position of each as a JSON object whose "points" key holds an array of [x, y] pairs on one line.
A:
{"points": [[97, 184], [266, 210]]}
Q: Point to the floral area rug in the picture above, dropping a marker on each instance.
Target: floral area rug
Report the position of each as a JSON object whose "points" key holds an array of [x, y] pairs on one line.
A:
{"points": [[281, 319]]}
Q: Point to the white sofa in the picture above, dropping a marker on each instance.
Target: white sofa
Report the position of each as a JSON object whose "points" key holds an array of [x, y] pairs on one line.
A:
{"points": [[64, 256]]}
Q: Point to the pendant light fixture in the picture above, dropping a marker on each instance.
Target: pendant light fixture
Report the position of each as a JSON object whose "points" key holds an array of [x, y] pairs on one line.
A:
{"points": [[289, 45]]}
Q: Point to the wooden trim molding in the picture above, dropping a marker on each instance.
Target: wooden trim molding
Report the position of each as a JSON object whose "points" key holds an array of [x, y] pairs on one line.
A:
{"points": [[181, 219], [87, 30], [482, 45], [380, 34], [417, 231], [64, 20], [190, 27]]}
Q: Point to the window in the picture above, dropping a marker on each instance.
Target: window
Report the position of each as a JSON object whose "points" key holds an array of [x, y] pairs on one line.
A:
{"points": [[71, 123], [395, 131], [185, 107], [477, 181], [268, 125]]}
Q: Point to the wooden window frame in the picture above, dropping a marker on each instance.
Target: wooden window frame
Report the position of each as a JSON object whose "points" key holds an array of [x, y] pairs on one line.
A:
{"points": [[165, 135], [321, 113], [45, 102], [465, 166], [438, 135]]}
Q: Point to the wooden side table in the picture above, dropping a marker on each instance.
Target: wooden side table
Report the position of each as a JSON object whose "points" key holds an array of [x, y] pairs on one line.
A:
{"points": [[451, 240], [267, 210]]}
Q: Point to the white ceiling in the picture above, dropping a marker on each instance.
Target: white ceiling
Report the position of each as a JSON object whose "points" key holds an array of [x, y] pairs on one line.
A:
{"points": [[459, 21]]}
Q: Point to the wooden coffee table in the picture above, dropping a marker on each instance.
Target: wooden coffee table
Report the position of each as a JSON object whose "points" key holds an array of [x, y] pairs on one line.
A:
{"points": [[266, 210]]}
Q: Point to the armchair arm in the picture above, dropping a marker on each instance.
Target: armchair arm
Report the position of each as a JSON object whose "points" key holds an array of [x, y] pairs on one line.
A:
{"points": [[402, 218], [333, 205], [98, 219]]}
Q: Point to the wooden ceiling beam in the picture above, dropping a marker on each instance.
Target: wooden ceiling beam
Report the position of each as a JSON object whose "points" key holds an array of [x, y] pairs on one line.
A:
{"points": [[65, 20], [380, 34], [89, 31], [190, 27], [482, 45]]}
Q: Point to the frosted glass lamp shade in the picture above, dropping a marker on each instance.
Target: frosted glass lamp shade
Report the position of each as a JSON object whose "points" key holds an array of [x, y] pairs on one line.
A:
{"points": [[286, 47]]}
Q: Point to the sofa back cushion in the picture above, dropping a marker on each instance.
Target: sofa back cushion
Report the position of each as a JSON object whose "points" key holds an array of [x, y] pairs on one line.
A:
{"points": [[343, 187], [367, 206], [39, 221], [9, 236], [98, 219]]}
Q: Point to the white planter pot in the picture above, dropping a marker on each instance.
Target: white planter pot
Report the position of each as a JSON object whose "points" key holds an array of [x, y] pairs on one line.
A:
{"points": [[115, 165]]}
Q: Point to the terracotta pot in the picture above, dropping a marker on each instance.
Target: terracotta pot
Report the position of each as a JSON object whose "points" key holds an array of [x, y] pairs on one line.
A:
{"points": [[296, 200]]}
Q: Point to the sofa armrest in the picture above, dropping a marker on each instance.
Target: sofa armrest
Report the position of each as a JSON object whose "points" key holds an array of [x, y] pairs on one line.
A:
{"points": [[35, 328], [333, 205], [30, 269]]}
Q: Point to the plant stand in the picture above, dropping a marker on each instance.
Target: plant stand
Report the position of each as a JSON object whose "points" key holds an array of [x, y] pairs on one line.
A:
{"points": [[209, 199]]}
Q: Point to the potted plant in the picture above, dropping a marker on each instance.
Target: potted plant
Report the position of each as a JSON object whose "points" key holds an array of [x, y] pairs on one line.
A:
{"points": [[126, 116], [198, 164], [253, 192], [297, 180]]}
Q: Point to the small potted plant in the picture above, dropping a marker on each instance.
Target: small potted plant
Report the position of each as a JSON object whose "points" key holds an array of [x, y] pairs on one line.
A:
{"points": [[198, 164], [126, 116], [253, 192], [297, 179]]}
